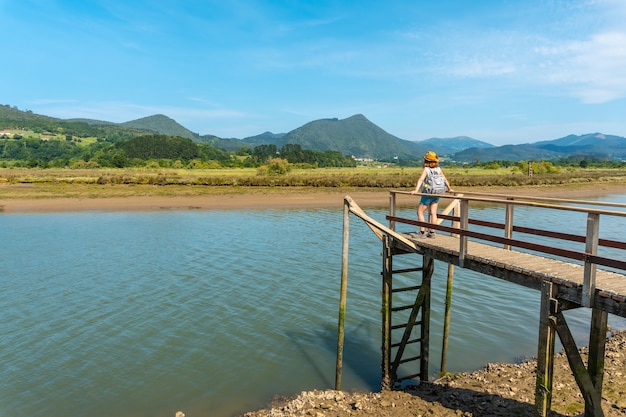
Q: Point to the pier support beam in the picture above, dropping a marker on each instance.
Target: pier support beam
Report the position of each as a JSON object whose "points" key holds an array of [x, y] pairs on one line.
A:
{"points": [[387, 273], [589, 379], [597, 346], [343, 295], [446, 321], [593, 399], [427, 274], [545, 350]]}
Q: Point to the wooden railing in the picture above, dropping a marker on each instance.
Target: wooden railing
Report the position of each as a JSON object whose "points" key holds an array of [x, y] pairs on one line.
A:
{"points": [[460, 204]]}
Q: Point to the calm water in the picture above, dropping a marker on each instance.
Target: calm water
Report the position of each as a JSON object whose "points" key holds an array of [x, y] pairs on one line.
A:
{"points": [[214, 312]]}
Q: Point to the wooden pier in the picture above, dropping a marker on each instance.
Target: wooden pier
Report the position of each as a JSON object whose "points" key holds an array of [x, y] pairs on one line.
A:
{"points": [[592, 275]]}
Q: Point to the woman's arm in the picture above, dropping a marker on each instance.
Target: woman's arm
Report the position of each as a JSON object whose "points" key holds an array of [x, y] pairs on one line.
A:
{"points": [[447, 183], [421, 179]]}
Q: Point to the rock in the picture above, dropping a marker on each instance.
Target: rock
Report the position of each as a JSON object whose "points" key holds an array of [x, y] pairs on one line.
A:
{"points": [[385, 403], [501, 390]]}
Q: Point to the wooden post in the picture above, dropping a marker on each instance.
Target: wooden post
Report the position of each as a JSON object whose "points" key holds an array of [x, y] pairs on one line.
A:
{"points": [[456, 211], [342, 295], [597, 345], [545, 350], [427, 273], [392, 210], [446, 320], [386, 383], [508, 223], [591, 247], [464, 215]]}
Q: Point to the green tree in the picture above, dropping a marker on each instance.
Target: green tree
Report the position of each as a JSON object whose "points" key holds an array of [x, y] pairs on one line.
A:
{"points": [[263, 153], [159, 146]]}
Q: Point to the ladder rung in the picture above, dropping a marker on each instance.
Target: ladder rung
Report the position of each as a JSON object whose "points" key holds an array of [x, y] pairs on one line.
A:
{"points": [[416, 287], [407, 343], [403, 325], [404, 271], [414, 358], [407, 307], [407, 377]]}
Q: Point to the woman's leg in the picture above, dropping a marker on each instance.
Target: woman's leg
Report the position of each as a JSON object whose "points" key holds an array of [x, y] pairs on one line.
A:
{"points": [[420, 214], [432, 218]]}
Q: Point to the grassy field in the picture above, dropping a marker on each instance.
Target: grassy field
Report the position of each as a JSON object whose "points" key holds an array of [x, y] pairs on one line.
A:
{"points": [[49, 183], [29, 134]]}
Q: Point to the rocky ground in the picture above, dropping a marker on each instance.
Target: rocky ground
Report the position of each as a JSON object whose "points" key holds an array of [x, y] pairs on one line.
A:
{"points": [[496, 390]]}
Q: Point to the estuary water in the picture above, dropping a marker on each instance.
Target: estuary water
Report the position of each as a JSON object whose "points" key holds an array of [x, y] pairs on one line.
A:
{"points": [[213, 313]]}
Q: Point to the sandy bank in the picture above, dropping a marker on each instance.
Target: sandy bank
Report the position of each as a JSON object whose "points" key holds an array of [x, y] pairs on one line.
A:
{"points": [[29, 199]]}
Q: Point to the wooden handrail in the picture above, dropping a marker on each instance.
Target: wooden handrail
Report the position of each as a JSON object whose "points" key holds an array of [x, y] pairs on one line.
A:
{"points": [[591, 239], [530, 202], [538, 232]]}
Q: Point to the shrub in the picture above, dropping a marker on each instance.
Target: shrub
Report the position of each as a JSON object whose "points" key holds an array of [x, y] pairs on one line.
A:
{"points": [[278, 166]]}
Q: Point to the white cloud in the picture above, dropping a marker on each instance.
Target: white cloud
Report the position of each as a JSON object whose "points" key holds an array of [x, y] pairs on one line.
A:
{"points": [[482, 67], [593, 69]]}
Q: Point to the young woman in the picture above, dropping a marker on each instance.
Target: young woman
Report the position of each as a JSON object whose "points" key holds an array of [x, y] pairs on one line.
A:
{"points": [[430, 202]]}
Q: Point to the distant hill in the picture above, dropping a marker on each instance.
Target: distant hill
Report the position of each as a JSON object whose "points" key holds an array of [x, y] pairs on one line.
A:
{"points": [[355, 135], [158, 123], [597, 144], [231, 145], [264, 138], [163, 125], [92, 122], [504, 153], [591, 145], [13, 118], [450, 146], [9, 115]]}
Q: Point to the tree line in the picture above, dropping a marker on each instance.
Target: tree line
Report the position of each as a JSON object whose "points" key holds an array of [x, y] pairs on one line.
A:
{"points": [[154, 151]]}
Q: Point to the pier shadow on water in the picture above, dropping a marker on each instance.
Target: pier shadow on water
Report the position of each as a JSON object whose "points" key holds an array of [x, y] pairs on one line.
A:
{"points": [[361, 359]]}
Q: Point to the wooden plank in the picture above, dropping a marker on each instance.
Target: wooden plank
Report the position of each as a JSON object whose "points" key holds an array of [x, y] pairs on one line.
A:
{"points": [[494, 258], [522, 260], [593, 400], [525, 268]]}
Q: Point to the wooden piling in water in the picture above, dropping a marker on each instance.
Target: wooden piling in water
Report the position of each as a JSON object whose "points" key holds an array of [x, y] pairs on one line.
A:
{"points": [[387, 378], [545, 350], [446, 320], [343, 294]]}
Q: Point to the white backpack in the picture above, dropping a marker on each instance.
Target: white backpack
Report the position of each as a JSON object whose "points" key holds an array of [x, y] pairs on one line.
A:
{"points": [[434, 182]]}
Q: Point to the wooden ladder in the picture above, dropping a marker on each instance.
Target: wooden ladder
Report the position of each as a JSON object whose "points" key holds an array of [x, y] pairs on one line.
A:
{"points": [[405, 327]]}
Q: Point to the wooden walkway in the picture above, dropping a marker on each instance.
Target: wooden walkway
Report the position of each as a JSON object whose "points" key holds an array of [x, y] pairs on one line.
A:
{"points": [[566, 279], [530, 270]]}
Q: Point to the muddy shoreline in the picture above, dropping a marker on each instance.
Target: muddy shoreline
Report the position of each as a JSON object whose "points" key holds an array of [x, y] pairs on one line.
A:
{"points": [[33, 198], [498, 389]]}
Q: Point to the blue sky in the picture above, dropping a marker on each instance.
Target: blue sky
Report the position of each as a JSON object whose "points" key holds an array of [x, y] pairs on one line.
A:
{"points": [[502, 71]]}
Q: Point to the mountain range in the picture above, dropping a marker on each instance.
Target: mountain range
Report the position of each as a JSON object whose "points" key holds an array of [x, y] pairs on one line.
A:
{"points": [[359, 137]]}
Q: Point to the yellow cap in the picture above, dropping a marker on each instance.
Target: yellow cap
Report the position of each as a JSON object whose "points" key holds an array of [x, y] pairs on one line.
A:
{"points": [[431, 157]]}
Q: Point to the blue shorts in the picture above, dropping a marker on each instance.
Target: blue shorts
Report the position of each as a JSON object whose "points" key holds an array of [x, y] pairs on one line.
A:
{"points": [[428, 200]]}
